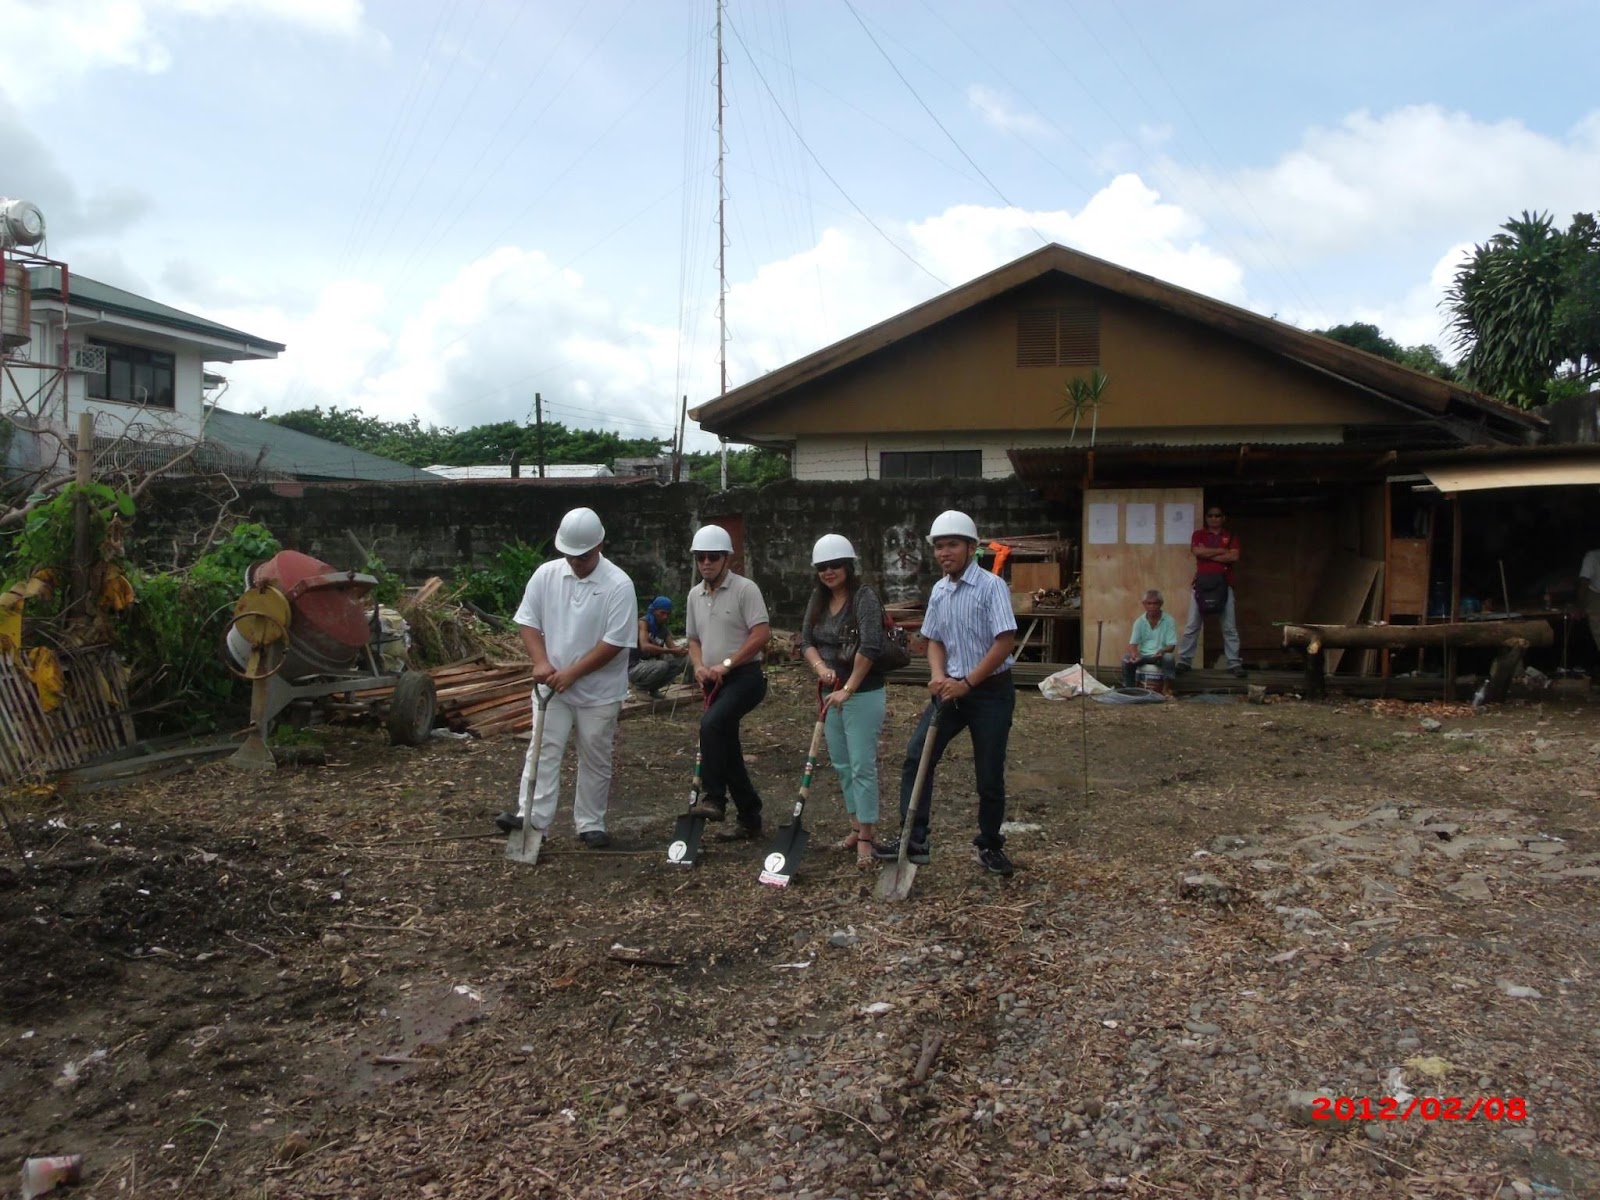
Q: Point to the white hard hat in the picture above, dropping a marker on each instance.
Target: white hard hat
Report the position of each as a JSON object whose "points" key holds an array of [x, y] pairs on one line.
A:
{"points": [[712, 539], [580, 532], [831, 547], [953, 523]]}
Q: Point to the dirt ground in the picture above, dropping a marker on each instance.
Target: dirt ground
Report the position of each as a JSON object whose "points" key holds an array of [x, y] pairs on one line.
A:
{"points": [[220, 984]]}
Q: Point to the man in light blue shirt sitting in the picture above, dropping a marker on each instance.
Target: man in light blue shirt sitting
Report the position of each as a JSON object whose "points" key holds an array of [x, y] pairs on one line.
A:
{"points": [[1153, 640]]}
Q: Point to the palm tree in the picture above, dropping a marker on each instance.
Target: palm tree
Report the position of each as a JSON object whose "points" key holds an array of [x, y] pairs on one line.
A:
{"points": [[1503, 304], [1084, 395]]}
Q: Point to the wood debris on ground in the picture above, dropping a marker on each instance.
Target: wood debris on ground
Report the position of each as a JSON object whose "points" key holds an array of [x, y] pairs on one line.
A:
{"points": [[1439, 710]]}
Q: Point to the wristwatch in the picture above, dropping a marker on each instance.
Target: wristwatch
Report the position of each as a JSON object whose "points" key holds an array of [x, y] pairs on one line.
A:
{"points": [[727, 664]]}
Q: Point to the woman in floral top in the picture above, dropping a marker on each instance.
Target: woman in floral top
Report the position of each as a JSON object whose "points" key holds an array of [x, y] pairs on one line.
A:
{"points": [[841, 638]]}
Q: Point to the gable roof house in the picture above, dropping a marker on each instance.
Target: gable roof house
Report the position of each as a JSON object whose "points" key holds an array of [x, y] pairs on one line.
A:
{"points": [[139, 367], [136, 363], [1312, 446]]}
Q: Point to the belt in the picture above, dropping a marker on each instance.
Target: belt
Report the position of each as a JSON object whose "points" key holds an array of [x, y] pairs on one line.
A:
{"points": [[998, 679]]}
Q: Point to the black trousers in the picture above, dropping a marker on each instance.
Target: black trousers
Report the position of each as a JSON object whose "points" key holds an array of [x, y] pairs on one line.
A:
{"points": [[722, 770]]}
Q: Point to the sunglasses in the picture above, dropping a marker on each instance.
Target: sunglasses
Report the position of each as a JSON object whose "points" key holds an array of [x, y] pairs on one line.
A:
{"points": [[1213, 514], [708, 555], [838, 564]]}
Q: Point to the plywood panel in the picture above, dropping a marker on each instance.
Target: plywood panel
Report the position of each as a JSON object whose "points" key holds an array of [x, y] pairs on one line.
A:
{"points": [[1408, 576], [1283, 554], [1029, 577], [1343, 594], [1116, 576]]}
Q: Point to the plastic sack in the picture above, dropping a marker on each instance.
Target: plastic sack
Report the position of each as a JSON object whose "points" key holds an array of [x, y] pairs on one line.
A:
{"points": [[1074, 681]]}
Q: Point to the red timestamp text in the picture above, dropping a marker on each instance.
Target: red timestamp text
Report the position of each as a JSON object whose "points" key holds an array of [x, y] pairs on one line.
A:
{"points": [[1426, 1108]]}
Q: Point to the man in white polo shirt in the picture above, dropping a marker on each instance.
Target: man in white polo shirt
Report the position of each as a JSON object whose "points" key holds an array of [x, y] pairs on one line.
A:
{"points": [[578, 616], [727, 628]]}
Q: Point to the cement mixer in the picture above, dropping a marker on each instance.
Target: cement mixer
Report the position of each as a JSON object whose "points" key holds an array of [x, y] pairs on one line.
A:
{"points": [[304, 629]]}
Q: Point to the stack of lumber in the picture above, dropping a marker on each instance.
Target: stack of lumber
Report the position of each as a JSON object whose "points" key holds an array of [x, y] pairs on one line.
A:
{"points": [[475, 696]]}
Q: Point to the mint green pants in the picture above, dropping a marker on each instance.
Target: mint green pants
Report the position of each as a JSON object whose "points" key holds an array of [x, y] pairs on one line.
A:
{"points": [[853, 746]]}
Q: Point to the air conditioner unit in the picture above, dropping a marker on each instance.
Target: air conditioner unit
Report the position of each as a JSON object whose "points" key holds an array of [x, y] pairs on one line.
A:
{"points": [[90, 360]]}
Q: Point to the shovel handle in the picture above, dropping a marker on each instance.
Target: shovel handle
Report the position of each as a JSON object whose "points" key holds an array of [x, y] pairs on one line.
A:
{"points": [[910, 820]]}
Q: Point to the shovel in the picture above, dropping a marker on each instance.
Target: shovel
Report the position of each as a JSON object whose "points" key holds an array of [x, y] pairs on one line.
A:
{"points": [[784, 857], [522, 845], [684, 850], [894, 883]]}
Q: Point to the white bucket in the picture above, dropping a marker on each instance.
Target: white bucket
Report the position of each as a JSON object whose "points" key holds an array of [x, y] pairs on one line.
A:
{"points": [[1151, 678]]}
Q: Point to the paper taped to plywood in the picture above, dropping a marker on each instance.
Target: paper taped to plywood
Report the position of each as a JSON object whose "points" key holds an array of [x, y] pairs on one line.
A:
{"points": [[1103, 524], [1142, 525], [1177, 524]]}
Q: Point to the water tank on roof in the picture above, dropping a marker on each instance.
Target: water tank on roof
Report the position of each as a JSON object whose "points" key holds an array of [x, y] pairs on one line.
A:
{"points": [[21, 223], [16, 308]]}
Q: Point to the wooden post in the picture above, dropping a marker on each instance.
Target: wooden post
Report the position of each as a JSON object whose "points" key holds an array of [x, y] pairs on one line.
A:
{"points": [[1504, 670], [538, 424], [82, 552], [1316, 673], [1388, 569], [1455, 594], [677, 453]]}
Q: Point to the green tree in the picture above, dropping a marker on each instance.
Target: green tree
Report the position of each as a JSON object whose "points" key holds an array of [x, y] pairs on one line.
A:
{"points": [[1525, 309], [1366, 336], [409, 442], [750, 466]]}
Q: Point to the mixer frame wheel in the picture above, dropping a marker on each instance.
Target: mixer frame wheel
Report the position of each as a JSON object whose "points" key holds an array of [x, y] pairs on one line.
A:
{"points": [[412, 708]]}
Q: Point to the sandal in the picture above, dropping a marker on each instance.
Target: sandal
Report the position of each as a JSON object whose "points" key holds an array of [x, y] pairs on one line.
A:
{"points": [[865, 856], [849, 841]]}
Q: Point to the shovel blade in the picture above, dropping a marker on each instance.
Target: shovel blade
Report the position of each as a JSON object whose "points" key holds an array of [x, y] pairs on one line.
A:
{"points": [[685, 848], [894, 880], [783, 860], [522, 845]]}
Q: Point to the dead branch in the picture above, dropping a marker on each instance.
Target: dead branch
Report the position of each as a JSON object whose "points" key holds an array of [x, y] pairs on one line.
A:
{"points": [[930, 1051]]}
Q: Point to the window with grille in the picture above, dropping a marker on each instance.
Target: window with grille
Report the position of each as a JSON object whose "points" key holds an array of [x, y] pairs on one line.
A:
{"points": [[134, 375], [1067, 336], [930, 464]]}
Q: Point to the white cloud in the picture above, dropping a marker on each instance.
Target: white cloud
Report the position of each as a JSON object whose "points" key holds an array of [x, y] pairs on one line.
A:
{"points": [[1000, 113], [510, 324], [1418, 176], [57, 42]]}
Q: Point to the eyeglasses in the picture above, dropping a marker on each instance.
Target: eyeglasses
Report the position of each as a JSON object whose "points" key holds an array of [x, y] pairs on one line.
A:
{"points": [[838, 564], [709, 555]]}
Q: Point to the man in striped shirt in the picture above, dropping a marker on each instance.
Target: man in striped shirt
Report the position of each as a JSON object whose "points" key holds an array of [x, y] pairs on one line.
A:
{"points": [[971, 632]]}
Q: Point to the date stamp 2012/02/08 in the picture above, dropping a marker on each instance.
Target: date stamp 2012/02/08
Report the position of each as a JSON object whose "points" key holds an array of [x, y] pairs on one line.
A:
{"points": [[1424, 1108]]}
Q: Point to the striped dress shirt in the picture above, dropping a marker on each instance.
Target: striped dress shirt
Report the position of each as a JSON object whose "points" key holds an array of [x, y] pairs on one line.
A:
{"points": [[965, 615]]}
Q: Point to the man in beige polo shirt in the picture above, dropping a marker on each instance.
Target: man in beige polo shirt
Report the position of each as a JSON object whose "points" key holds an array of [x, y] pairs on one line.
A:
{"points": [[727, 629]]}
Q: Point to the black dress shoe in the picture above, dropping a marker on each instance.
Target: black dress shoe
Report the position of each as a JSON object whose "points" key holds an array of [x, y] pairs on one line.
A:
{"points": [[740, 832], [595, 839], [508, 822]]}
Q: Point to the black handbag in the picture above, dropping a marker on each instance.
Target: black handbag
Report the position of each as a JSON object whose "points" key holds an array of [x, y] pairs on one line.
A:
{"points": [[896, 653], [1211, 592]]}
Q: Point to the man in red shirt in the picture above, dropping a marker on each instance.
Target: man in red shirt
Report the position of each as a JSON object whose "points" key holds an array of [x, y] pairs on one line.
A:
{"points": [[1215, 550]]}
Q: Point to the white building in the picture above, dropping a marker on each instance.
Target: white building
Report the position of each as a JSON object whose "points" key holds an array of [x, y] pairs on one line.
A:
{"points": [[137, 364]]}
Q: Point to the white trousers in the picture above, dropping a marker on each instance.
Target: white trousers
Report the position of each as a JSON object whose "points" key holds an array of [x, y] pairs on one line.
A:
{"points": [[597, 731]]}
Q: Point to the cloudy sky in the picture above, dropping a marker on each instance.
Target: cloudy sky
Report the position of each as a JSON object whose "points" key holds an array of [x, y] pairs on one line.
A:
{"points": [[445, 206]]}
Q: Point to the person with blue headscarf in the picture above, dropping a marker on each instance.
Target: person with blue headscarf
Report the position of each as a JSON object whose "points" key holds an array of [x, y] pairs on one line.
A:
{"points": [[658, 660]]}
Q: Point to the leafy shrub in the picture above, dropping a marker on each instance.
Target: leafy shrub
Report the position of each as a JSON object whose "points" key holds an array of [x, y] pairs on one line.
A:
{"points": [[498, 588]]}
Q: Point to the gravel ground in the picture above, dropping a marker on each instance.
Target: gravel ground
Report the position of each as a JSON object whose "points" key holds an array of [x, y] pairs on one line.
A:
{"points": [[219, 985]]}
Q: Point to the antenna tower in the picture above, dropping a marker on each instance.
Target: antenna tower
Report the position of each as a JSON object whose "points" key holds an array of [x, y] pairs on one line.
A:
{"points": [[722, 239]]}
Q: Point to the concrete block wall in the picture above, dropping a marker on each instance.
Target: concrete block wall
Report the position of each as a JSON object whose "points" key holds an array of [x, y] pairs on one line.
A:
{"points": [[450, 528]]}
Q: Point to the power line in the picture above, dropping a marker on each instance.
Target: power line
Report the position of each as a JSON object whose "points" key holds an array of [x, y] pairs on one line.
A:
{"points": [[861, 212], [932, 116]]}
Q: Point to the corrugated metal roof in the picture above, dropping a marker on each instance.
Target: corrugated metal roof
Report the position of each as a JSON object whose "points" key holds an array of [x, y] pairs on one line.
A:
{"points": [[503, 471], [1477, 477], [302, 456], [91, 293]]}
